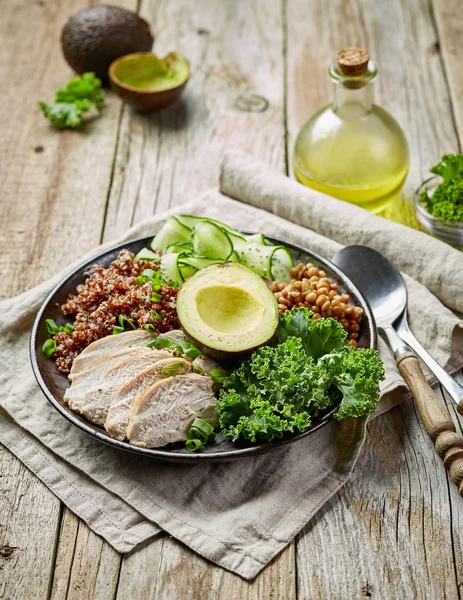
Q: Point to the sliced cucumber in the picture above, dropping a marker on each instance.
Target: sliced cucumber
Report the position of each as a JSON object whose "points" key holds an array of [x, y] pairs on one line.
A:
{"points": [[173, 232], [257, 238], [256, 257], [273, 261], [239, 241], [170, 269], [185, 269], [147, 254], [234, 257], [199, 262], [280, 263], [211, 241], [191, 221], [179, 248]]}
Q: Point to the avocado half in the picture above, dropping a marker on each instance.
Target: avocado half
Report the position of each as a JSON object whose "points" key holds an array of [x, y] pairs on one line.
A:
{"points": [[94, 37], [227, 310]]}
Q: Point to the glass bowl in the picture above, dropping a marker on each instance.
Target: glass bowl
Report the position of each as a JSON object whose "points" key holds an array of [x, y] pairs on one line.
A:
{"points": [[452, 233]]}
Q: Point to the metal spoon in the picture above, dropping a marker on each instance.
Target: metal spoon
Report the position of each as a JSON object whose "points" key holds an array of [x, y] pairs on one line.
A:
{"points": [[383, 287]]}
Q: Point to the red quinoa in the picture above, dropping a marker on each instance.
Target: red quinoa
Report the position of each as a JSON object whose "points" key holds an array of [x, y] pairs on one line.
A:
{"points": [[106, 294]]}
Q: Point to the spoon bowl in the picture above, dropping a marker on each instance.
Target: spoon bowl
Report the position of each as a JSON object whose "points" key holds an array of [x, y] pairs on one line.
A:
{"points": [[379, 281]]}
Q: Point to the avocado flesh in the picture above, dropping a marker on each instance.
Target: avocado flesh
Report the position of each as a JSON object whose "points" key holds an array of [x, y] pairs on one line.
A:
{"points": [[148, 72], [227, 310]]}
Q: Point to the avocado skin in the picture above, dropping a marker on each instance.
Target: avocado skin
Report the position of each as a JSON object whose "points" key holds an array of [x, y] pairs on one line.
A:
{"points": [[94, 37]]}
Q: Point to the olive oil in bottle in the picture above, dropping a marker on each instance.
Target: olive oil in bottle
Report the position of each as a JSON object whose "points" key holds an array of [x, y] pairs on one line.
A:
{"points": [[353, 149]]}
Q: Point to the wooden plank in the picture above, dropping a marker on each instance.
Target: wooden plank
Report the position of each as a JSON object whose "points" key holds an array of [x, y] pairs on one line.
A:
{"points": [[391, 532], [450, 29], [51, 184], [234, 99], [29, 515], [86, 566], [166, 570]]}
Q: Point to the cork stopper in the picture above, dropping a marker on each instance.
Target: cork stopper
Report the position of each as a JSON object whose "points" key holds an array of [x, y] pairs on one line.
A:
{"points": [[352, 62]]}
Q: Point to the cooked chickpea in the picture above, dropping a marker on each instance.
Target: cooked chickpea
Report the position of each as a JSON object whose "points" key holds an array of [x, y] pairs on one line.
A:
{"points": [[321, 300], [311, 297]]}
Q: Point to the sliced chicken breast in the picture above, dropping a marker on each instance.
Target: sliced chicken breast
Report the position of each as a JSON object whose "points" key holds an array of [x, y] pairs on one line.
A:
{"points": [[107, 345], [163, 414], [177, 336], [119, 411], [92, 392]]}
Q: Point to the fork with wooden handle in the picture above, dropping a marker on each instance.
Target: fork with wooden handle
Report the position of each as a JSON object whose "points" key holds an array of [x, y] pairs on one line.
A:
{"points": [[435, 416]]}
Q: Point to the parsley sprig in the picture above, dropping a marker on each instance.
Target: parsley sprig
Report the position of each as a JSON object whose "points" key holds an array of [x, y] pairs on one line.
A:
{"points": [[73, 100]]}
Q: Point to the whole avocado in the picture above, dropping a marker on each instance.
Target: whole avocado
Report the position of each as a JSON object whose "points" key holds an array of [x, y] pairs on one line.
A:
{"points": [[94, 37]]}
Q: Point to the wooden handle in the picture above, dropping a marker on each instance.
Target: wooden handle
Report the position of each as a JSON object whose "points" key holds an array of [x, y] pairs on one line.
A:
{"points": [[435, 417]]}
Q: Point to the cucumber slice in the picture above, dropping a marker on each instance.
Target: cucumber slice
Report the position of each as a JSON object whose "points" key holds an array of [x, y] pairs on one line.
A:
{"points": [[239, 241], [178, 248], [234, 257], [211, 241], [147, 254], [191, 221], [173, 232], [170, 268], [257, 238], [186, 270], [257, 257], [280, 263], [273, 262], [199, 262]]}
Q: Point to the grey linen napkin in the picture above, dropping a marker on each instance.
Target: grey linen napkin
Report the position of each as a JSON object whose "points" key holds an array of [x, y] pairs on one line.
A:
{"points": [[239, 515]]}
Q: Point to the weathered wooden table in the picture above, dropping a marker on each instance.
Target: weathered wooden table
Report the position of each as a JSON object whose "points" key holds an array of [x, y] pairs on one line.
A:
{"points": [[258, 70]]}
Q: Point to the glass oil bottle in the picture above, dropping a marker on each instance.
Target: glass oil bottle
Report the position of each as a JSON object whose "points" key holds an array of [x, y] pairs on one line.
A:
{"points": [[353, 149]]}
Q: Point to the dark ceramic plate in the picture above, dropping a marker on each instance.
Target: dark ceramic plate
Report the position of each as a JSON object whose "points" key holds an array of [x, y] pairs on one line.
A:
{"points": [[54, 384]]}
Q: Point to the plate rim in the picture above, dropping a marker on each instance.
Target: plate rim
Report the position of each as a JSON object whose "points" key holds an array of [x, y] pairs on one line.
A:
{"points": [[158, 453]]}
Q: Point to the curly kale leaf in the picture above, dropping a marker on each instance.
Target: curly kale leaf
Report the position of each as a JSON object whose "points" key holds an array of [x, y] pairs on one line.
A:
{"points": [[79, 96], [319, 336], [275, 391], [308, 369], [358, 382]]}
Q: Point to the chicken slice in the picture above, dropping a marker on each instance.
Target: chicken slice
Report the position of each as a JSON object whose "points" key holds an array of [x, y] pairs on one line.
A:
{"points": [[163, 414], [91, 391], [176, 336], [108, 345], [117, 420]]}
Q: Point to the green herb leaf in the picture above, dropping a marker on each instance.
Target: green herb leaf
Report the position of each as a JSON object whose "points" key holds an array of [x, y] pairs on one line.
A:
{"points": [[201, 429], [156, 315], [308, 369], [319, 337], [157, 281], [450, 167], [49, 347], [150, 327], [193, 445], [51, 326], [68, 328], [117, 329], [77, 97], [124, 322], [218, 375], [156, 297], [173, 369]]}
